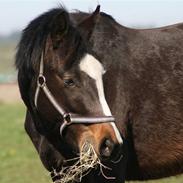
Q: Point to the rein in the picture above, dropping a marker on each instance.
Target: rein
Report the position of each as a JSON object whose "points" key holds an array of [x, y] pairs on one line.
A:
{"points": [[68, 118]]}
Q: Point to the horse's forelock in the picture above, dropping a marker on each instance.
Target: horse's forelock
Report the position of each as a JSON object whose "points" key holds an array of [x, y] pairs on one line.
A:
{"points": [[34, 37]]}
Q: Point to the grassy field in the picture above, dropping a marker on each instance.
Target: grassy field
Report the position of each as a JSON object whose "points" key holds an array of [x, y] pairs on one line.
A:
{"points": [[19, 162]]}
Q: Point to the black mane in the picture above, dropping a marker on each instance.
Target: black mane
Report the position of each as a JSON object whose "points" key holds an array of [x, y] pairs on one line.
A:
{"points": [[34, 37]]}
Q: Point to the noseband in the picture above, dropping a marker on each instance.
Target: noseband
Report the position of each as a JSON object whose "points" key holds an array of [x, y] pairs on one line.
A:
{"points": [[68, 118]]}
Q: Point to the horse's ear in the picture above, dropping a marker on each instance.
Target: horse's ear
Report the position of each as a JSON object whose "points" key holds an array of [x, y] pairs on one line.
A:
{"points": [[59, 27], [86, 26]]}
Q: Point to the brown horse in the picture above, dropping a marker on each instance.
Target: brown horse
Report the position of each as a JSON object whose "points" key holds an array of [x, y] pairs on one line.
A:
{"points": [[67, 61]]}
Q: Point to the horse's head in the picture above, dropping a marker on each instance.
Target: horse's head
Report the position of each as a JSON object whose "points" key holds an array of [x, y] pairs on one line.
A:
{"points": [[67, 87]]}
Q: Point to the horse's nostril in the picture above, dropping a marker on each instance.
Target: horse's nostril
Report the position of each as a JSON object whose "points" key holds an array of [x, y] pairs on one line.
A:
{"points": [[106, 148]]}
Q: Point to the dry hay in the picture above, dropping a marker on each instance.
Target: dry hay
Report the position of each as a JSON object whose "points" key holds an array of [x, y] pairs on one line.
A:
{"points": [[86, 161]]}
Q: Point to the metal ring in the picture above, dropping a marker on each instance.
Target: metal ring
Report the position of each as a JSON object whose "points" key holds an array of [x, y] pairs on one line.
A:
{"points": [[67, 121], [67, 117], [41, 81]]}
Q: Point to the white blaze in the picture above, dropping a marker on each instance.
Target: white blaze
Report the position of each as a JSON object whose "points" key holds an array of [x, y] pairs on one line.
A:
{"points": [[93, 68]]}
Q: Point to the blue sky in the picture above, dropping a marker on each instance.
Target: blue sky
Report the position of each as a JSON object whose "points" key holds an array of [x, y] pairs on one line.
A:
{"points": [[15, 14]]}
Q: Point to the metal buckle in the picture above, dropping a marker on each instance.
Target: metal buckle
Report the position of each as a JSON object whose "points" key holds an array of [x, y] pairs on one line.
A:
{"points": [[41, 81]]}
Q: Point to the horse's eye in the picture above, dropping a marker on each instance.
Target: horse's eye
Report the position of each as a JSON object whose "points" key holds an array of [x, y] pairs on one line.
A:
{"points": [[69, 82]]}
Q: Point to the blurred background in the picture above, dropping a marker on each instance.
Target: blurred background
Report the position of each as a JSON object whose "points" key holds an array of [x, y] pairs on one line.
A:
{"points": [[19, 161]]}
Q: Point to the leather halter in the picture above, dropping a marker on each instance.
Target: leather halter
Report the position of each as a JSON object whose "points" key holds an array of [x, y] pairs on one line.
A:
{"points": [[68, 118]]}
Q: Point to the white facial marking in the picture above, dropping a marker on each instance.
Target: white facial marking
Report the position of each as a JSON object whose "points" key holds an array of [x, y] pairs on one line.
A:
{"points": [[91, 66]]}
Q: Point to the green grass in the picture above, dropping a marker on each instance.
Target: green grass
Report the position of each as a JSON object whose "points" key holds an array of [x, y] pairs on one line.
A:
{"points": [[19, 162]]}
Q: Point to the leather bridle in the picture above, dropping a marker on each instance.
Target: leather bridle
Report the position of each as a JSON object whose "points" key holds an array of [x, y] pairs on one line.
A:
{"points": [[68, 118]]}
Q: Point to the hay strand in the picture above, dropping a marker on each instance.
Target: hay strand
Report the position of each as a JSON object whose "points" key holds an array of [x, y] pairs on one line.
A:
{"points": [[82, 166]]}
